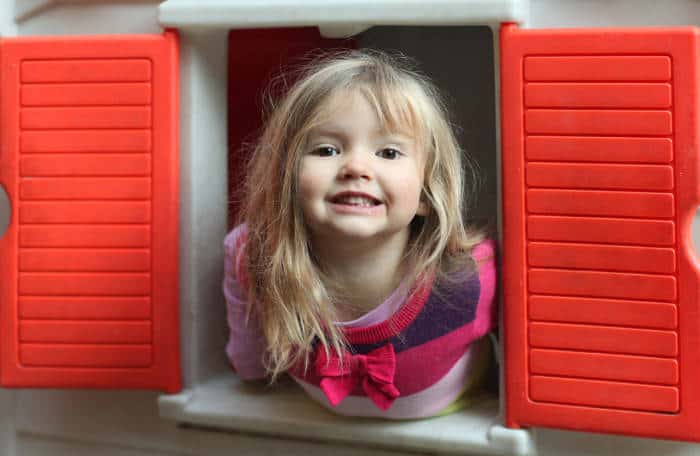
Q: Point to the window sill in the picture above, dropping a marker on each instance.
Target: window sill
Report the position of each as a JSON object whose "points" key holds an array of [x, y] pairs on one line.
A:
{"points": [[225, 402]]}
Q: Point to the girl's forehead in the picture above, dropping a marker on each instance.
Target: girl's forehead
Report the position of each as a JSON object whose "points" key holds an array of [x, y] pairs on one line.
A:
{"points": [[393, 112], [340, 99]]}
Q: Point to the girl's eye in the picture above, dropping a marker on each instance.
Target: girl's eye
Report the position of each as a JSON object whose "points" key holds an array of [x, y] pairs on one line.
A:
{"points": [[326, 151], [389, 153]]}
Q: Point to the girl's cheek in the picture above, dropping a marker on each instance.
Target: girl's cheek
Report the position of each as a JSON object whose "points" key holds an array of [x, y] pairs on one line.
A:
{"points": [[309, 181]]}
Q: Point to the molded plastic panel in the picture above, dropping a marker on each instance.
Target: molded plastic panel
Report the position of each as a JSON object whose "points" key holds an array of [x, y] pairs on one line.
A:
{"points": [[88, 266], [600, 183]]}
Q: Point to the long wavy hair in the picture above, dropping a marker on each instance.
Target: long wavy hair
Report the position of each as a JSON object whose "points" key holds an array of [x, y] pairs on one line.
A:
{"points": [[287, 292]]}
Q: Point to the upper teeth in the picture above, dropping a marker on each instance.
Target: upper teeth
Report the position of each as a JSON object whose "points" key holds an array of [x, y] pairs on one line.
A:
{"points": [[356, 200]]}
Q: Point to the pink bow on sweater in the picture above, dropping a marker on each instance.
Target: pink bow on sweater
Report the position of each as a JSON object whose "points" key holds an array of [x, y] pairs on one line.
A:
{"points": [[374, 371]]}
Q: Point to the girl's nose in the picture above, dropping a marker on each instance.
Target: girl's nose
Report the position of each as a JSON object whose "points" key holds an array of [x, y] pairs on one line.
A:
{"points": [[356, 166]]}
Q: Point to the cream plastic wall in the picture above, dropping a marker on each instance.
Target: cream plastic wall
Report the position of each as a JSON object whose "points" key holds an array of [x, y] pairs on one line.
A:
{"points": [[124, 423]]}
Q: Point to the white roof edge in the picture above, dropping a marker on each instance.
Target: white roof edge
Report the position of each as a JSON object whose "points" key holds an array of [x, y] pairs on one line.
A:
{"points": [[282, 13]]}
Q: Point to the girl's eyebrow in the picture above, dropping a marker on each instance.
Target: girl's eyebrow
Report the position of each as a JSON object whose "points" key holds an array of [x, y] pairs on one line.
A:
{"points": [[327, 131]]}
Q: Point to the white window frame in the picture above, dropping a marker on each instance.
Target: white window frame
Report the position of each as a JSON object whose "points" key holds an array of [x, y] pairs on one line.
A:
{"points": [[214, 396]]}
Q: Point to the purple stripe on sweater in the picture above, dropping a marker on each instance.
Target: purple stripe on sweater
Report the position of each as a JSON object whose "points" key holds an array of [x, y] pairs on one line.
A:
{"points": [[448, 308]]}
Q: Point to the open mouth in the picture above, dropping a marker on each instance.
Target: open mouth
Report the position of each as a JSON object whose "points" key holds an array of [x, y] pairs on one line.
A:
{"points": [[356, 200]]}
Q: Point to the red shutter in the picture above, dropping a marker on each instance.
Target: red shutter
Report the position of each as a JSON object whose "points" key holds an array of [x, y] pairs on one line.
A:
{"points": [[88, 266], [600, 180]]}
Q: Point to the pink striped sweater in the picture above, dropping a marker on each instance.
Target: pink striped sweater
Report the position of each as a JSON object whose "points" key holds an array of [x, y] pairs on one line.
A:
{"points": [[415, 362]]}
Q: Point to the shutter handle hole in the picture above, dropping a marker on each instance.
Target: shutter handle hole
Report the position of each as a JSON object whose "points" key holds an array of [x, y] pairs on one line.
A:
{"points": [[4, 211], [694, 238]]}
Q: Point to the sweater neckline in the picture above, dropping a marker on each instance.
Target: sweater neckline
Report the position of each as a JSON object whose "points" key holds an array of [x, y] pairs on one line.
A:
{"points": [[394, 324]]}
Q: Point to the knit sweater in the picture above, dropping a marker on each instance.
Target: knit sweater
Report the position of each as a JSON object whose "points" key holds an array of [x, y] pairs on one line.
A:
{"points": [[415, 363]]}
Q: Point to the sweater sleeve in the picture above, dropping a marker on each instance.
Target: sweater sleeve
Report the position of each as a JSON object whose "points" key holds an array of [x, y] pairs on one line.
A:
{"points": [[246, 343]]}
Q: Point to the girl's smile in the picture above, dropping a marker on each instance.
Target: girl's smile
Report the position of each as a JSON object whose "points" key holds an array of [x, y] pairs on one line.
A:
{"points": [[355, 199], [355, 203]]}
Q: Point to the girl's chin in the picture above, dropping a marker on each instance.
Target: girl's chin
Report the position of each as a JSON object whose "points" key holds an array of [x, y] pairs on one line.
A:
{"points": [[356, 231]]}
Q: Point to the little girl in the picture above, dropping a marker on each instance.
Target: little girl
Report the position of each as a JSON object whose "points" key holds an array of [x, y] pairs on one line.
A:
{"points": [[352, 269]]}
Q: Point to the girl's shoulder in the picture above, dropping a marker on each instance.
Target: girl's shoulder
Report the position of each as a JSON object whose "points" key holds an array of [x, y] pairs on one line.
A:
{"points": [[484, 255], [481, 264], [484, 252], [473, 280], [234, 251], [236, 239]]}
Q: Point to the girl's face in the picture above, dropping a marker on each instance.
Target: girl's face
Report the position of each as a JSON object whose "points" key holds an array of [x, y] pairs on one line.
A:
{"points": [[358, 182]]}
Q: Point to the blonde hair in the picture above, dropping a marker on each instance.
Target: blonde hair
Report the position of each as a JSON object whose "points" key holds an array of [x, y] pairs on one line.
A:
{"points": [[287, 292]]}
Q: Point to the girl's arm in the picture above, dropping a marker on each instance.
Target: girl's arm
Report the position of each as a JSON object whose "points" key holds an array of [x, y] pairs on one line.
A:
{"points": [[246, 344]]}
